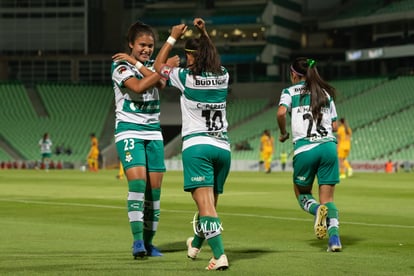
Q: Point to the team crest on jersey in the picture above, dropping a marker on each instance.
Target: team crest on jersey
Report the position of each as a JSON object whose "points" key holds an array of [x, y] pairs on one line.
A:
{"points": [[121, 69]]}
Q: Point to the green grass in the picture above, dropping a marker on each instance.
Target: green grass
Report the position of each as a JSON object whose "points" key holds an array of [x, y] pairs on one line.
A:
{"points": [[74, 223]]}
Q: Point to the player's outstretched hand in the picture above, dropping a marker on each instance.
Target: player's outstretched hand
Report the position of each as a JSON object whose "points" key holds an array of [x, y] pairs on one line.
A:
{"points": [[200, 24], [178, 30]]}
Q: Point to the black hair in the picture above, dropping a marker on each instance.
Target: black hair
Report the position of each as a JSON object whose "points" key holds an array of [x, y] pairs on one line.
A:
{"points": [[136, 30], [314, 85], [206, 57]]}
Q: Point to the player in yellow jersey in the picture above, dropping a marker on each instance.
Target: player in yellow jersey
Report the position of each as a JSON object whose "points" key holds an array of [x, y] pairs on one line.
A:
{"points": [[93, 154], [344, 136], [266, 149]]}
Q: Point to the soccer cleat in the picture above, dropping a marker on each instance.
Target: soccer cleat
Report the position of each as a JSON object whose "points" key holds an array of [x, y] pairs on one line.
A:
{"points": [[350, 172], [320, 226], [192, 252], [138, 249], [218, 264], [152, 251], [334, 244]]}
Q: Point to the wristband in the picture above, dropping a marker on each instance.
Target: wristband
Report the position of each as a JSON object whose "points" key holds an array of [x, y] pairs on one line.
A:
{"points": [[171, 40], [138, 65], [165, 71]]}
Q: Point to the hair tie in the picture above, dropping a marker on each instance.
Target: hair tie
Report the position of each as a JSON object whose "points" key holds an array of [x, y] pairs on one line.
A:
{"points": [[190, 50], [311, 62]]}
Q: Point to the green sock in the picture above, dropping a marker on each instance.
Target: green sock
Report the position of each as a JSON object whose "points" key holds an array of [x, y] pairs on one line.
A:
{"points": [[308, 203], [333, 219], [197, 241], [151, 214], [212, 231], [136, 189]]}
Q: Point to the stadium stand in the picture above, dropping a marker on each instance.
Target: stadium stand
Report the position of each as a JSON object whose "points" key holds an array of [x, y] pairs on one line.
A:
{"points": [[74, 111]]}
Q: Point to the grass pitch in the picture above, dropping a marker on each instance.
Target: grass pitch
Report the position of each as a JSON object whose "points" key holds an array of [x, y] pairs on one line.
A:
{"points": [[75, 223]]}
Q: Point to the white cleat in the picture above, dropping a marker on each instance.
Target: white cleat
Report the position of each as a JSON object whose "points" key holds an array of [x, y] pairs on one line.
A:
{"points": [[192, 252], [218, 264]]}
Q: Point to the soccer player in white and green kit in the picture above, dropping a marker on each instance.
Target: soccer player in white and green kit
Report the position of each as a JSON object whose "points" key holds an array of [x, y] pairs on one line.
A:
{"points": [[206, 153], [138, 136], [310, 102]]}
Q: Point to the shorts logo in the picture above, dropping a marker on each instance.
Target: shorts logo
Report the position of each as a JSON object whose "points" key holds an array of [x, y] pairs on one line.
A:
{"points": [[128, 157], [198, 178], [301, 178]]}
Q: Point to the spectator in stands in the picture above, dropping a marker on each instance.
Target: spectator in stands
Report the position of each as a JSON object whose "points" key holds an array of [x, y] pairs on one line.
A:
{"points": [[267, 143], [68, 150], [45, 145], [93, 154], [138, 136], [313, 120], [243, 145], [406, 166], [344, 137], [59, 149], [206, 156]]}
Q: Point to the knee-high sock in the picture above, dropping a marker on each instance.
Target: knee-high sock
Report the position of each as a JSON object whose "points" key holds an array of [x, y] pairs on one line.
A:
{"points": [[333, 219], [151, 213], [211, 227], [308, 203], [136, 190]]}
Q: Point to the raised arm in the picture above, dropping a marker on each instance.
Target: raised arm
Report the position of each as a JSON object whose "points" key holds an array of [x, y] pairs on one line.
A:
{"points": [[162, 56]]}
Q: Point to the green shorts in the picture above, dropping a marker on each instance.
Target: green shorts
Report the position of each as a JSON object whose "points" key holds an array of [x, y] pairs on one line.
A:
{"points": [[46, 155], [141, 153], [205, 166], [321, 161]]}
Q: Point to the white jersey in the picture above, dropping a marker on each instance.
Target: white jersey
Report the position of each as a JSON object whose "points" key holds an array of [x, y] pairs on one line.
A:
{"points": [[307, 133], [45, 146], [203, 107], [137, 114]]}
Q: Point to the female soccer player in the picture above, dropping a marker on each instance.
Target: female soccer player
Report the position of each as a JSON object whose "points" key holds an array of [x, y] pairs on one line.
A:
{"points": [[344, 137], [45, 145], [313, 120], [206, 150], [266, 149], [138, 134]]}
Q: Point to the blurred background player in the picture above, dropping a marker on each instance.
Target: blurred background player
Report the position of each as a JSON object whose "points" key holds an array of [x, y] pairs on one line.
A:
{"points": [[266, 150], [121, 173], [138, 136], [283, 160], [344, 137], [45, 145], [93, 154], [206, 155]]}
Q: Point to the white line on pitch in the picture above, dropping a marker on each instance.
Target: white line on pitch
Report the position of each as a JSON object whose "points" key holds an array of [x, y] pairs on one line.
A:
{"points": [[183, 211]]}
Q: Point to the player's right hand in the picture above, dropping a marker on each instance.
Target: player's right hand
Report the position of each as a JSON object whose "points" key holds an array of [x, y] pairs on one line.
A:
{"points": [[178, 30]]}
